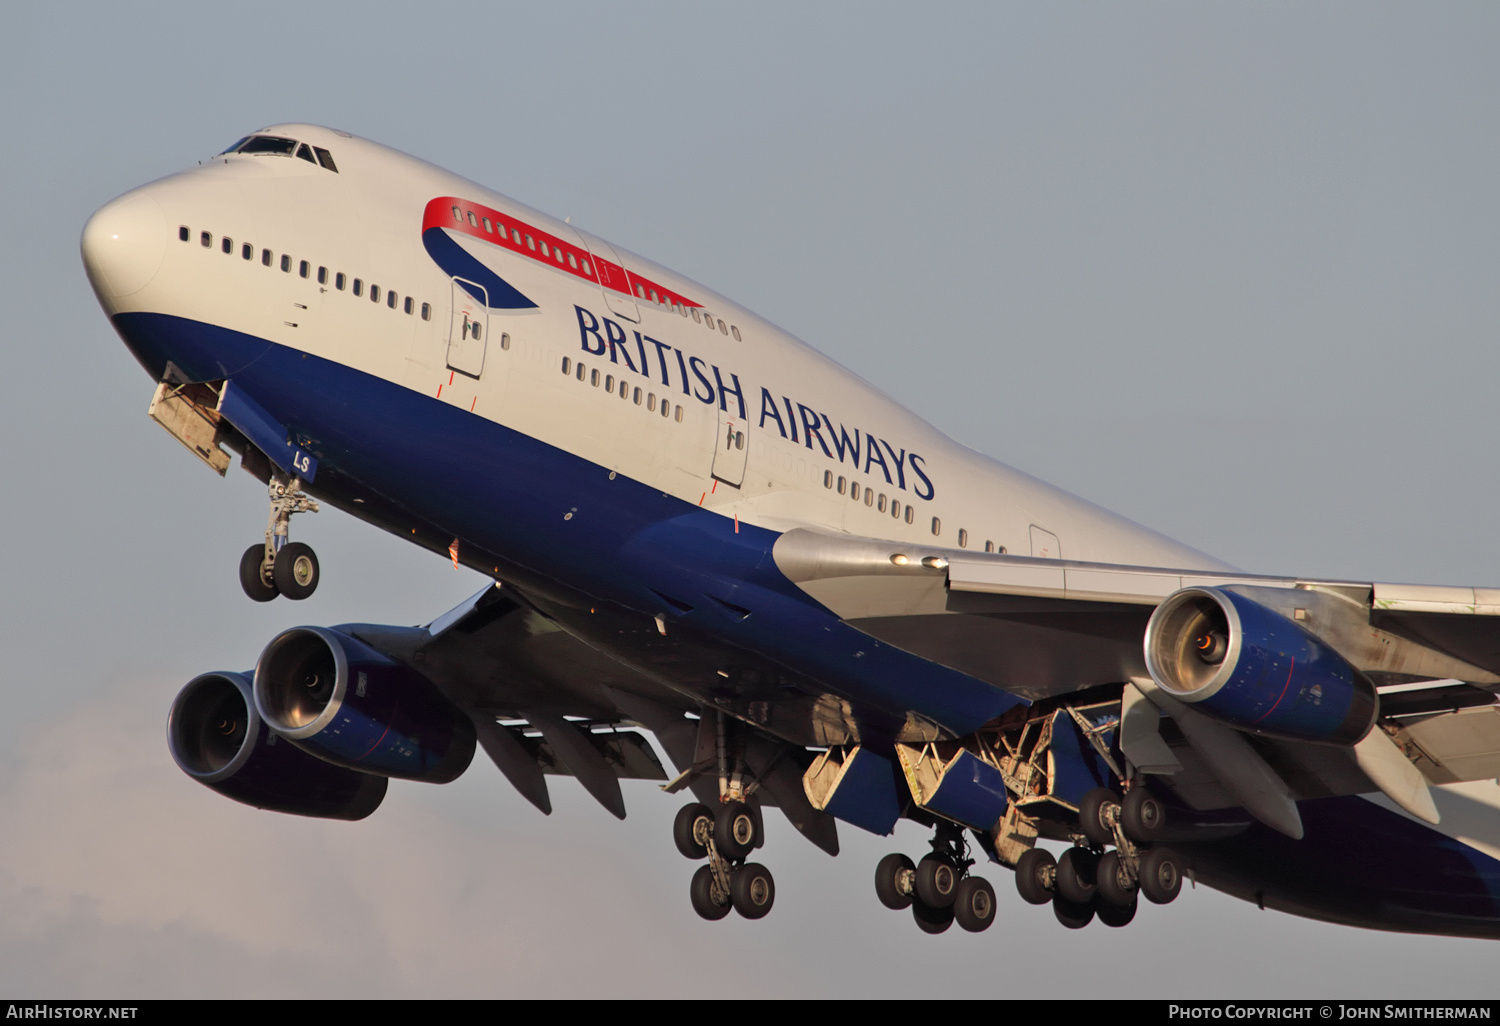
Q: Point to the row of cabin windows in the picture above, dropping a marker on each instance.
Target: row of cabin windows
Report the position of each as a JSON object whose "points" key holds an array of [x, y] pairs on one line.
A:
{"points": [[305, 270], [549, 252], [844, 486], [697, 313], [624, 390], [579, 262]]}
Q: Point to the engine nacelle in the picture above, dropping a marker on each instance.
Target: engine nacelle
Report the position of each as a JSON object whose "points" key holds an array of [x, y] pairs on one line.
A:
{"points": [[1255, 669], [218, 740], [343, 701]]}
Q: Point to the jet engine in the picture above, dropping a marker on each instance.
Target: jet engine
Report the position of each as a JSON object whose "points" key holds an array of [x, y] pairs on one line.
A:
{"points": [[341, 700], [218, 740], [1256, 670]]}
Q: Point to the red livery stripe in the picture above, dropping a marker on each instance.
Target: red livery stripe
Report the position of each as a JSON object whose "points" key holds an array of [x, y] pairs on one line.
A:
{"points": [[470, 218]]}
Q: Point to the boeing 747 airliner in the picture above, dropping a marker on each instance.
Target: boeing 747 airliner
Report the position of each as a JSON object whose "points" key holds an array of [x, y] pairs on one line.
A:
{"points": [[699, 528]]}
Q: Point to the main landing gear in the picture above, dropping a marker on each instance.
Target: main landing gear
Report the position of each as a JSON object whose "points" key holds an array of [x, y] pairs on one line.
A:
{"points": [[278, 566], [1088, 881], [726, 837], [939, 890]]}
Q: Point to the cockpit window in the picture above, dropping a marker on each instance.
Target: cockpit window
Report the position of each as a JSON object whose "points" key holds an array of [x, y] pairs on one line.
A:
{"points": [[283, 147], [268, 144]]}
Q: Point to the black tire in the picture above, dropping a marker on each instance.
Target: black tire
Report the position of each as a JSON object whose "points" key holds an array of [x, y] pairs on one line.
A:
{"points": [[734, 830], [1071, 914], [937, 881], [1115, 915], [974, 905], [1161, 875], [1114, 888], [296, 570], [752, 891], [1032, 870], [1142, 816], [252, 577], [888, 881], [1076, 875], [931, 920], [1091, 816], [708, 902], [693, 822]]}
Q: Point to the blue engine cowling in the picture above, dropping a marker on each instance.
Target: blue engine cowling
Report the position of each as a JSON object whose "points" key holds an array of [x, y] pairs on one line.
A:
{"points": [[218, 740], [343, 701], [1255, 669]]}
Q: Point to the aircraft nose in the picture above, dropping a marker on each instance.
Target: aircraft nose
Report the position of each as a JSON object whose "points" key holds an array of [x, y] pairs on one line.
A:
{"points": [[123, 245]]}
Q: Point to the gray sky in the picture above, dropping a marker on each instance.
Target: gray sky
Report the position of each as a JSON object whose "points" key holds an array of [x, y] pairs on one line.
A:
{"points": [[1226, 269]]}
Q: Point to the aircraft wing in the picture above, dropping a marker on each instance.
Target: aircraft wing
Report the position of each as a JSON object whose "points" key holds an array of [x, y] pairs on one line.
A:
{"points": [[1045, 628], [545, 702]]}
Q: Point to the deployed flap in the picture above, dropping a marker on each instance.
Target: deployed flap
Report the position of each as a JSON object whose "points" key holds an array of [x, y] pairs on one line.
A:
{"points": [[512, 758], [584, 761]]}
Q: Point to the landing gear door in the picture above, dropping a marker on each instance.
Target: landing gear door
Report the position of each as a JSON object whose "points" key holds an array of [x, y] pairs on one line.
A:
{"points": [[610, 276], [731, 450], [468, 328]]}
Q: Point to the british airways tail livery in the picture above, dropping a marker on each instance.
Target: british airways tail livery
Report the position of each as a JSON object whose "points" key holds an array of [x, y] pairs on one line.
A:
{"points": [[701, 529]]}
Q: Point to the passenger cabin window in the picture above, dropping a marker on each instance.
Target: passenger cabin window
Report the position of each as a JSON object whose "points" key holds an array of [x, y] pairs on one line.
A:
{"points": [[184, 233], [247, 251], [963, 538], [265, 257], [937, 526], [322, 276], [390, 299], [304, 269], [227, 245], [408, 304], [286, 263], [359, 287], [207, 239], [426, 311], [374, 293], [339, 281]]}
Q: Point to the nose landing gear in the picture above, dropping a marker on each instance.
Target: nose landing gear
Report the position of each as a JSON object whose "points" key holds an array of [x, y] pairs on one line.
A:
{"points": [[278, 566]]}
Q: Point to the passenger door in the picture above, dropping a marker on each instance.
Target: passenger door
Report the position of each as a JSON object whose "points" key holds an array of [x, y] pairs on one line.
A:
{"points": [[468, 328], [731, 449]]}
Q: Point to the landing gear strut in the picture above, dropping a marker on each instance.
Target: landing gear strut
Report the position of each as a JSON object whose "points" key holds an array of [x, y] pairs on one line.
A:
{"points": [[725, 837], [278, 566], [938, 890]]}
